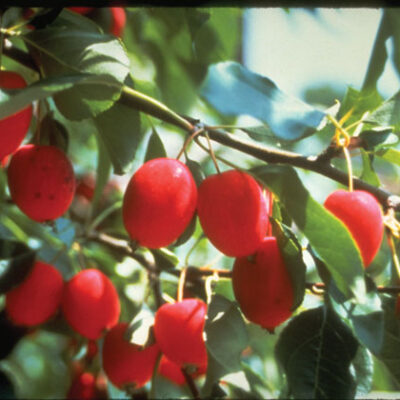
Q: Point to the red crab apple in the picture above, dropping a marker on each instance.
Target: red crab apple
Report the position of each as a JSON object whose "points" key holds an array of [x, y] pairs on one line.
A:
{"points": [[362, 215], [118, 20], [83, 387], [90, 303], [14, 127], [233, 212], [172, 371], [126, 363], [178, 328], [263, 287], [41, 181], [37, 298], [159, 202]]}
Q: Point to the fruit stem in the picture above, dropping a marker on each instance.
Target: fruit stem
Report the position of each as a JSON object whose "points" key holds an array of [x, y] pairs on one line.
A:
{"points": [[181, 284], [209, 280], [103, 215], [212, 153], [394, 255], [191, 384], [188, 141], [349, 167]]}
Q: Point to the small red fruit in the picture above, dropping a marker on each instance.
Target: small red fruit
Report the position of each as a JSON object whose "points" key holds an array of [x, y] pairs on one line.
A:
{"points": [[233, 212], [118, 20], [90, 303], [14, 127], [126, 363], [83, 387], [81, 10], [362, 215], [263, 287], [178, 329], [41, 181], [159, 202], [37, 298], [172, 371]]}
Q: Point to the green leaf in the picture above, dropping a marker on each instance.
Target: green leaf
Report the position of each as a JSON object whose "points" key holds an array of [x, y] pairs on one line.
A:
{"points": [[187, 234], [388, 114], [233, 90], [64, 230], [368, 174], [14, 100], [16, 261], [223, 349], [155, 147], [390, 353], [293, 256], [327, 235], [164, 258], [378, 137], [196, 170], [363, 371], [365, 320], [119, 129], [315, 351], [63, 51], [391, 155]]}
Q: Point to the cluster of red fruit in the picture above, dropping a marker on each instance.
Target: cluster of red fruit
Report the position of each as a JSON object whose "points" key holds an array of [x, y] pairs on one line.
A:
{"points": [[161, 200], [90, 304]]}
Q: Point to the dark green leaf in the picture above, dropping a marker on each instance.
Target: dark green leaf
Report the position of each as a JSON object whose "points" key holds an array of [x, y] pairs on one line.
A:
{"points": [[365, 320], [164, 258], [293, 256], [10, 334], [234, 90], [119, 129], [316, 351], [341, 256], [16, 261], [390, 353], [155, 147], [53, 133], [63, 51], [368, 174], [223, 349], [378, 138], [14, 100], [259, 133], [363, 371], [196, 170]]}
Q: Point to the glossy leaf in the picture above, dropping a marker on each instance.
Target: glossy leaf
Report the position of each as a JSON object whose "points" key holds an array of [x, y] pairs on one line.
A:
{"points": [[16, 261], [155, 147], [341, 256], [223, 350], [363, 371], [390, 155], [368, 174], [388, 113], [120, 139], [234, 90], [67, 51], [315, 351]]}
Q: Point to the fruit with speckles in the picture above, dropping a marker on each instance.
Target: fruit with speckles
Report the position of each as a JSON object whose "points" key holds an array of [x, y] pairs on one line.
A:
{"points": [[90, 303], [178, 329], [262, 286], [13, 128], [41, 181], [233, 212], [126, 363], [159, 202], [37, 298], [362, 215]]}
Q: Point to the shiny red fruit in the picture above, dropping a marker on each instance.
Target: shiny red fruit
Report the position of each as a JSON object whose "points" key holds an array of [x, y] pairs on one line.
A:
{"points": [[81, 10], [233, 212], [90, 303], [263, 287], [178, 329], [159, 202], [172, 371], [37, 298], [118, 20], [126, 363], [41, 181], [83, 387], [14, 127], [362, 215]]}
